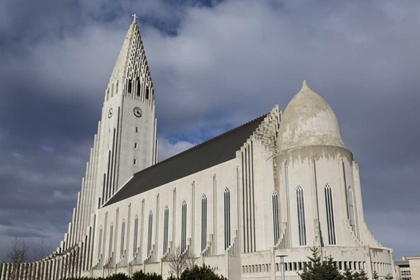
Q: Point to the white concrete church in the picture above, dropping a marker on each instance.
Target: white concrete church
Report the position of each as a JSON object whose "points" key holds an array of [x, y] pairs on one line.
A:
{"points": [[277, 185]]}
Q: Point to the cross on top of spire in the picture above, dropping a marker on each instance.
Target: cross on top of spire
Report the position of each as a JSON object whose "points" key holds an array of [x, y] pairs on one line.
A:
{"points": [[135, 17]]}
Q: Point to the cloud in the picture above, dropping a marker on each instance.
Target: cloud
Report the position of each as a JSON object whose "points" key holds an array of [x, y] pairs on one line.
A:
{"points": [[168, 149]]}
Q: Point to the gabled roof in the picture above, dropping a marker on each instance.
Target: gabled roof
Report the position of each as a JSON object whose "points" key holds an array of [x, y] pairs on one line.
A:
{"points": [[210, 153]]}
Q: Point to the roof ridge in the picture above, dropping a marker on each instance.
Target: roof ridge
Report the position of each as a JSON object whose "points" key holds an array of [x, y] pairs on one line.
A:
{"points": [[205, 142]]}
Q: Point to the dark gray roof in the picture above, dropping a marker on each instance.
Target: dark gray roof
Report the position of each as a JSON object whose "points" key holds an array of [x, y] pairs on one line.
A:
{"points": [[401, 263], [210, 153]]}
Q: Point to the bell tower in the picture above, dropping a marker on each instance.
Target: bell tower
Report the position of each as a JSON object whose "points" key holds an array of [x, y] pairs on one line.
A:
{"points": [[126, 139], [127, 130]]}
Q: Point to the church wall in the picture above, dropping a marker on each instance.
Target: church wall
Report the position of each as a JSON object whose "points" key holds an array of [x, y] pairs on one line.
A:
{"points": [[312, 168], [264, 188], [220, 177]]}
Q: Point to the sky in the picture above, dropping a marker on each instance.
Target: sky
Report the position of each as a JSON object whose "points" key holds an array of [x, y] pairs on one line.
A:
{"points": [[214, 65]]}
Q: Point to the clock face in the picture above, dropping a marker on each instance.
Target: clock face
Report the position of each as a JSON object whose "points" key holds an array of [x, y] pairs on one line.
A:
{"points": [[137, 112], [110, 113]]}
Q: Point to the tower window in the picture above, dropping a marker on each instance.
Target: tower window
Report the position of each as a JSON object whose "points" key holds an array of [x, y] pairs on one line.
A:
{"points": [[129, 86], [138, 86], [135, 161], [137, 129], [135, 145], [350, 205], [330, 214], [147, 92], [276, 227], [300, 201]]}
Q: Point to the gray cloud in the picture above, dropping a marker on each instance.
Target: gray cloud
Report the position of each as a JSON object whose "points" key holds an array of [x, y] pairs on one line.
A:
{"points": [[215, 65]]}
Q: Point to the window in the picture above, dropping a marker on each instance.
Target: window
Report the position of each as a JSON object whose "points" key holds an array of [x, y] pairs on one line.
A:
{"points": [[135, 145], [100, 243], [138, 86], [165, 229], [300, 202], [147, 92], [203, 222], [149, 234], [351, 207], [137, 129], [129, 86], [227, 217], [184, 227], [276, 227], [330, 215], [111, 232], [136, 232], [122, 239], [135, 161], [116, 88]]}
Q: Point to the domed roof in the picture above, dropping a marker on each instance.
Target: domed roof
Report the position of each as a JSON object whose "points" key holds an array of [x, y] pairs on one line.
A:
{"points": [[308, 121]]}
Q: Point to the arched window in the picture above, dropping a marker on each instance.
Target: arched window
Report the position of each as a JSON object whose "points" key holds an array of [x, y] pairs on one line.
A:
{"points": [[100, 243], [149, 234], [138, 86], [330, 215], [136, 233], [227, 217], [350, 205], [111, 233], [276, 227], [184, 227], [203, 222], [122, 238], [165, 229], [129, 86], [300, 202]]}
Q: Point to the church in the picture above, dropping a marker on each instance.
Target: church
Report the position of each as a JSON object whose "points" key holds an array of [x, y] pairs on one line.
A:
{"points": [[250, 203]]}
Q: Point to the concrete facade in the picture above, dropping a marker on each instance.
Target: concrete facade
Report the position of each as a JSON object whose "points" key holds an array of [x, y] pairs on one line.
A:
{"points": [[291, 185], [408, 268]]}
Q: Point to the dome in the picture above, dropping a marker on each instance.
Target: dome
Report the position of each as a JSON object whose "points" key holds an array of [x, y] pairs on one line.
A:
{"points": [[308, 121]]}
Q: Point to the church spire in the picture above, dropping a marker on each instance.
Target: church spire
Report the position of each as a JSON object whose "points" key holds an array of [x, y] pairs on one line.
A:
{"points": [[131, 74]]}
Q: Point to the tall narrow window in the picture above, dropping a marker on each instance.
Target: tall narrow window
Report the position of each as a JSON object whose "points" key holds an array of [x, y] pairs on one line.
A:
{"points": [[351, 207], [100, 243], [122, 239], [147, 92], [203, 222], [330, 215], [276, 227], [111, 233], [138, 86], [227, 217], [136, 233], [165, 229], [184, 227], [116, 88], [149, 233], [300, 201], [129, 86]]}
